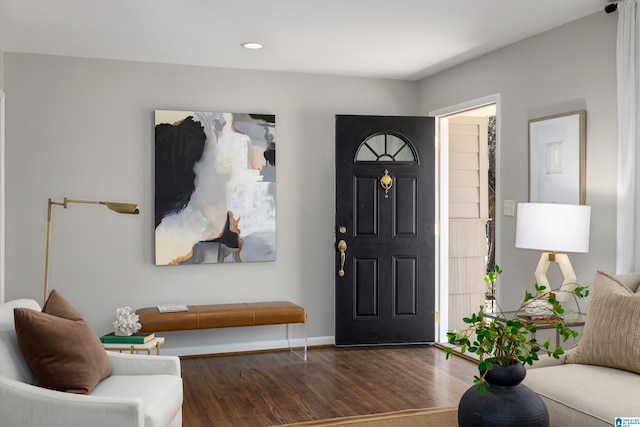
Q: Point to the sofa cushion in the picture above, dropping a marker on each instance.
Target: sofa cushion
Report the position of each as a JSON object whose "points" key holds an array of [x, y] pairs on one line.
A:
{"points": [[60, 347], [13, 364], [161, 394], [611, 335], [630, 280], [585, 395]]}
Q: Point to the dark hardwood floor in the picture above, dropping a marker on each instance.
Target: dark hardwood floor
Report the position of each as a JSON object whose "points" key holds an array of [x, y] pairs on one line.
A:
{"points": [[274, 388]]}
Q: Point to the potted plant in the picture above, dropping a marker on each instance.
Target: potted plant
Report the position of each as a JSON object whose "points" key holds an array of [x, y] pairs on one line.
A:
{"points": [[504, 345]]}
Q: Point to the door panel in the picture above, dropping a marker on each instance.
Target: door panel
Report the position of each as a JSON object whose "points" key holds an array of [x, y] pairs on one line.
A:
{"points": [[405, 286], [366, 287], [405, 206], [386, 293], [366, 193]]}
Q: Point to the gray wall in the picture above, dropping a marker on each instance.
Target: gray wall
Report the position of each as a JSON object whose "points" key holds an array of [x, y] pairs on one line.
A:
{"points": [[566, 69], [84, 128]]}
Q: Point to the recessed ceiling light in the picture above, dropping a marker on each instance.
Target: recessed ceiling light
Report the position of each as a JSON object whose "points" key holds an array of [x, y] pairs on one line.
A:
{"points": [[252, 45]]}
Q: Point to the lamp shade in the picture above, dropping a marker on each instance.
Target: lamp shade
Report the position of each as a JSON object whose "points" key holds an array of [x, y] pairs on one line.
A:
{"points": [[553, 227]]}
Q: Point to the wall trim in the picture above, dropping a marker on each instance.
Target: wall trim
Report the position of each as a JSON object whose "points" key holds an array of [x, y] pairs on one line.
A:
{"points": [[442, 171], [2, 197], [468, 105]]}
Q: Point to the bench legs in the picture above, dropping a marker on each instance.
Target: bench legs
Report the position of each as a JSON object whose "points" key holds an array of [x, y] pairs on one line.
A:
{"points": [[303, 356]]}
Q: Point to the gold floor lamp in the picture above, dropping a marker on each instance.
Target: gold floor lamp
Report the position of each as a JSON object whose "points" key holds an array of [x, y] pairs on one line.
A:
{"points": [[123, 208]]}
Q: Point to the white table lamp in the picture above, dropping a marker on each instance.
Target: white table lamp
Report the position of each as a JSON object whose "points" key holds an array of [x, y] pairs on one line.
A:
{"points": [[554, 228]]}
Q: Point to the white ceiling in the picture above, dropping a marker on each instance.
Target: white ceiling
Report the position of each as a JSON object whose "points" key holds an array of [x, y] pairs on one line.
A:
{"points": [[398, 39]]}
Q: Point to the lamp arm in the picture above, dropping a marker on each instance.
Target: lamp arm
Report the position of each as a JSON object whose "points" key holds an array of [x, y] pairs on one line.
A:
{"points": [[123, 208], [90, 202]]}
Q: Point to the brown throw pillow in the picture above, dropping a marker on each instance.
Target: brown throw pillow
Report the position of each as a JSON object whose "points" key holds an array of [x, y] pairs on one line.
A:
{"points": [[611, 335], [60, 307], [60, 347]]}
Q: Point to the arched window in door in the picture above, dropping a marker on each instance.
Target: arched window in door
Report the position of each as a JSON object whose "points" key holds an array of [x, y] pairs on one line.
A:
{"points": [[385, 147]]}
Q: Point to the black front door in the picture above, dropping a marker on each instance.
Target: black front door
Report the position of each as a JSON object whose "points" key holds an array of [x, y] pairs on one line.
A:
{"points": [[385, 239]]}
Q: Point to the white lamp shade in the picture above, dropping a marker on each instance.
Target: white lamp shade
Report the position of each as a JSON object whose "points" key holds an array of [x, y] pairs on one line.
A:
{"points": [[553, 227]]}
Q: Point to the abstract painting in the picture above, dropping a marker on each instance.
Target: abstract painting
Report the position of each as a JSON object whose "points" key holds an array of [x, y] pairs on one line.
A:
{"points": [[215, 187]]}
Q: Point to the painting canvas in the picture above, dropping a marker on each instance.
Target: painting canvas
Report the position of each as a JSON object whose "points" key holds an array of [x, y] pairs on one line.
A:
{"points": [[215, 187]]}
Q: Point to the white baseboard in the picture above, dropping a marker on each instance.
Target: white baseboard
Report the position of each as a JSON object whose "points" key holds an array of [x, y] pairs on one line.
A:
{"points": [[196, 350]]}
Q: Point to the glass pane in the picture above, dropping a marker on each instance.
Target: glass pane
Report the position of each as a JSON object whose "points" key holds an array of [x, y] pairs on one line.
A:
{"points": [[365, 154], [394, 144], [405, 155], [376, 143]]}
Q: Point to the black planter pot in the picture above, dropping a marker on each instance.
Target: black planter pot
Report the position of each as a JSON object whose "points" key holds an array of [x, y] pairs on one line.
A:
{"points": [[505, 402]]}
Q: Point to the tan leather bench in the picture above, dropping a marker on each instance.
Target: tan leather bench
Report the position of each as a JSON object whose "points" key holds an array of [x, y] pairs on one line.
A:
{"points": [[226, 316]]}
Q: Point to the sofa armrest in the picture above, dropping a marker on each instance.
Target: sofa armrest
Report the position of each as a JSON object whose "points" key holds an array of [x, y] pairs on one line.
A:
{"points": [[29, 405], [550, 361], [142, 364]]}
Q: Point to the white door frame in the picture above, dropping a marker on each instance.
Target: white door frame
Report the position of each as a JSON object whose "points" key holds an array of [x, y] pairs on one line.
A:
{"points": [[442, 202], [2, 198]]}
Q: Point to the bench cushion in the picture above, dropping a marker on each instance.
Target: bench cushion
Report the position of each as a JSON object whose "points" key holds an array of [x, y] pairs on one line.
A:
{"points": [[221, 316]]}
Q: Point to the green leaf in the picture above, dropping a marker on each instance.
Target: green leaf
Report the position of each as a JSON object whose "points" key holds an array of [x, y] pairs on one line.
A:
{"points": [[482, 387], [540, 288], [581, 291]]}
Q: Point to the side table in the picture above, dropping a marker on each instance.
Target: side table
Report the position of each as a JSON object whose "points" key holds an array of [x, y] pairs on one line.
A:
{"points": [[134, 348]]}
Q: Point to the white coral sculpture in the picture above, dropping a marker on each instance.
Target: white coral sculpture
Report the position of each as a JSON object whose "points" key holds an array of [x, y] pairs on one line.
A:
{"points": [[126, 322]]}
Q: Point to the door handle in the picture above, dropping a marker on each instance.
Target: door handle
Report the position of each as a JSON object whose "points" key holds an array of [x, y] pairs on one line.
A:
{"points": [[342, 247]]}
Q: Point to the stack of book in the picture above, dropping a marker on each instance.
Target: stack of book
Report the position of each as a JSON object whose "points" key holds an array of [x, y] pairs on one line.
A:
{"points": [[137, 338]]}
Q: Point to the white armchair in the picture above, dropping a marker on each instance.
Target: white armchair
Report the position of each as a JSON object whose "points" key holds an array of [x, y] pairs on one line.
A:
{"points": [[142, 391]]}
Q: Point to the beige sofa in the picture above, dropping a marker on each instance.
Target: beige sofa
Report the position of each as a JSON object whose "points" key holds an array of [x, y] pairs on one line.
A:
{"points": [[598, 380]]}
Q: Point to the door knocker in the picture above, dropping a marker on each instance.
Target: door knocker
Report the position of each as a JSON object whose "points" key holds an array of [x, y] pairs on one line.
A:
{"points": [[386, 182]]}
